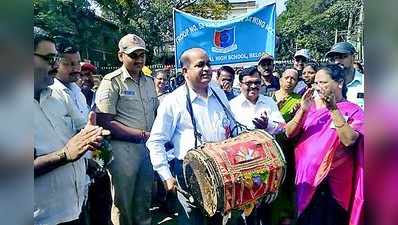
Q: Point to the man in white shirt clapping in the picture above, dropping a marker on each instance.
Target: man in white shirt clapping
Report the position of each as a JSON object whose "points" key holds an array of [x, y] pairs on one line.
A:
{"points": [[253, 109]]}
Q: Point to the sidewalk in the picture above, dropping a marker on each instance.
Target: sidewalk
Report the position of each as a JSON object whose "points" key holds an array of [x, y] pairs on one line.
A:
{"points": [[162, 218]]}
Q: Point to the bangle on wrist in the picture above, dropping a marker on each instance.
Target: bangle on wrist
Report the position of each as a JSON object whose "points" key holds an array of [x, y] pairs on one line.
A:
{"points": [[333, 108], [340, 126], [302, 111], [294, 121], [143, 136], [67, 154]]}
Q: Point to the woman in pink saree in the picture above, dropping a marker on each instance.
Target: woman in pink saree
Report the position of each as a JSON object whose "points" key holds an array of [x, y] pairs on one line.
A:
{"points": [[329, 153]]}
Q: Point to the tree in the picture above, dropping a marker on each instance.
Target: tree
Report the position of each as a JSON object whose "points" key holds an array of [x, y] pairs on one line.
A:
{"points": [[75, 22], [153, 19], [312, 24], [93, 32]]}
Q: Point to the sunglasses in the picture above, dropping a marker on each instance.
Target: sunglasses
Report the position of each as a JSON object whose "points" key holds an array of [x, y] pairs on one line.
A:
{"points": [[136, 56], [250, 83], [50, 58]]}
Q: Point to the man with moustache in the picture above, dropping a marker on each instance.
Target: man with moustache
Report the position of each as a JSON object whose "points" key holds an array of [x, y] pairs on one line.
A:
{"points": [[256, 111], [225, 78], [59, 168], [343, 53], [126, 102], [160, 79], [253, 109], [87, 83], [174, 124], [64, 87], [269, 82], [69, 93]]}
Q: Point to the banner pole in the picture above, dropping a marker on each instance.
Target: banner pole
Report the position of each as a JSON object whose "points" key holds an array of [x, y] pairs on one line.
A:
{"points": [[175, 46]]}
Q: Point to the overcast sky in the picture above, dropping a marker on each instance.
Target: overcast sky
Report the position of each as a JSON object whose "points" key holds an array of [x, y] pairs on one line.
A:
{"points": [[280, 7]]}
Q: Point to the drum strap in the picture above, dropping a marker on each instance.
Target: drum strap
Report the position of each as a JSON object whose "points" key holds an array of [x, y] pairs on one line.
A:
{"points": [[190, 110], [230, 115], [198, 136]]}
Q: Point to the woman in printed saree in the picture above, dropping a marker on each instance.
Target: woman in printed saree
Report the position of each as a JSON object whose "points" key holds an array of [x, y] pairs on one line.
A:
{"points": [[288, 102], [329, 153]]}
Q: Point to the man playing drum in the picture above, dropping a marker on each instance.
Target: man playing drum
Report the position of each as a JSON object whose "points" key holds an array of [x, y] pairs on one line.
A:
{"points": [[188, 117]]}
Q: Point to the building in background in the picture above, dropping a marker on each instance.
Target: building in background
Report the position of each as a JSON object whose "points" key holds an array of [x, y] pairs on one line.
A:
{"points": [[239, 8]]}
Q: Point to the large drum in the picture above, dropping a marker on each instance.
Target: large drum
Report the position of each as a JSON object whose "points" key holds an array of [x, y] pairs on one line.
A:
{"points": [[234, 173]]}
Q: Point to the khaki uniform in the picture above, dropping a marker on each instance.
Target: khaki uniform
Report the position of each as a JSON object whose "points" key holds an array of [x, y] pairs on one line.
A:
{"points": [[134, 104]]}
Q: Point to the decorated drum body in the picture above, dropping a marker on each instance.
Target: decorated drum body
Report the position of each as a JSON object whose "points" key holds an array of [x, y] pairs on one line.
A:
{"points": [[236, 172]]}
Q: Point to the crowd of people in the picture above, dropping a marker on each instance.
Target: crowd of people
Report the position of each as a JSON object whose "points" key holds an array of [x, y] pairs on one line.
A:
{"points": [[314, 111]]}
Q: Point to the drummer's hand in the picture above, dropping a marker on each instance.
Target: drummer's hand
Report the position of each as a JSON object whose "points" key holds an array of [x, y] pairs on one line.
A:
{"points": [[170, 185]]}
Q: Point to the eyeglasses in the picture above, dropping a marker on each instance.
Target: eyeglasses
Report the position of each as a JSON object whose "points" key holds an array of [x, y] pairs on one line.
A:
{"points": [[250, 83], [50, 58]]}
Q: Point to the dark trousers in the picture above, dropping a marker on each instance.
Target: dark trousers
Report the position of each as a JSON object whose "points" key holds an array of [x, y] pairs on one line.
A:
{"points": [[193, 215], [167, 201], [99, 202], [261, 213], [323, 209]]}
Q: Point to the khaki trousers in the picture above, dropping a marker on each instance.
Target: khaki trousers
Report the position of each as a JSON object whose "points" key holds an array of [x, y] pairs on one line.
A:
{"points": [[131, 180]]}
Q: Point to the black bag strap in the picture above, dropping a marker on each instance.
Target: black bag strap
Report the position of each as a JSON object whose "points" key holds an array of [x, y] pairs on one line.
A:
{"points": [[230, 114], [190, 111]]}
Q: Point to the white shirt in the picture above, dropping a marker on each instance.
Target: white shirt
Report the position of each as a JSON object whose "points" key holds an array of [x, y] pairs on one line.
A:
{"points": [[73, 97], [71, 93], [58, 194], [173, 123], [245, 112], [356, 90]]}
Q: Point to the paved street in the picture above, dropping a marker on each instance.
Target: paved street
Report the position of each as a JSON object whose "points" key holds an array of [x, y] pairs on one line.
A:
{"points": [[160, 217]]}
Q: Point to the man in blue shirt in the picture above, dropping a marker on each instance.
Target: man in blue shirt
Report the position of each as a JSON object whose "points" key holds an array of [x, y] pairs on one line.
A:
{"points": [[343, 53]]}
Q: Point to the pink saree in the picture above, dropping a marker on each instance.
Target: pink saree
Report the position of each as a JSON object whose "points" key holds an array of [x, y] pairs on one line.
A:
{"points": [[319, 154]]}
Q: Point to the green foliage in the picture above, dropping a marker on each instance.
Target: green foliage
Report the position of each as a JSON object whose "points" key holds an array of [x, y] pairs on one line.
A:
{"points": [[153, 20], [312, 24], [76, 22], [210, 9]]}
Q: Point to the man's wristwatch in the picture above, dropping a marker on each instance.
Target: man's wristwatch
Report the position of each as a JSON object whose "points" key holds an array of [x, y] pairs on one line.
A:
{"points": [[62, 155], [143, 136]]}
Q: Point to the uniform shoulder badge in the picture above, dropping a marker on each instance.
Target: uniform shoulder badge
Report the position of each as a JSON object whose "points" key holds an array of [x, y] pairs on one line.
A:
{"points": [[113, 74]]}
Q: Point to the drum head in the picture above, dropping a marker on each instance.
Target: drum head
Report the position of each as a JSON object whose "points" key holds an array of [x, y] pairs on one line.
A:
{"points": [[200, 184]]}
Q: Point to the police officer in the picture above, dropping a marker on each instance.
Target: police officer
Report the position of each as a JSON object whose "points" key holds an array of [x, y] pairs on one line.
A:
{"points": [[126, 103]]}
